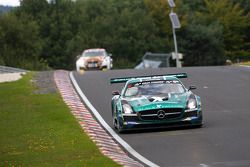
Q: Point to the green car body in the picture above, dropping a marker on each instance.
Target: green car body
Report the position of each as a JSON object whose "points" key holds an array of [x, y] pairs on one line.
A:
{"points": [[130, 111]]}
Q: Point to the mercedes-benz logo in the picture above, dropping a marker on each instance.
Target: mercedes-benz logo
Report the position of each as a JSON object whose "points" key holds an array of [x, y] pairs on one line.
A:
{"points": [[161, 114]]}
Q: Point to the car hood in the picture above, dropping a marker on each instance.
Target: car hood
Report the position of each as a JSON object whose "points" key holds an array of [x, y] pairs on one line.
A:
{"points": [[96, 58], [157, 102]]}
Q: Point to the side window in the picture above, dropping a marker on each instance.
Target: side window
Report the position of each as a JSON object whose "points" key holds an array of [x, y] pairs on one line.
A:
{"points": [[105, 54], [133, 91]]}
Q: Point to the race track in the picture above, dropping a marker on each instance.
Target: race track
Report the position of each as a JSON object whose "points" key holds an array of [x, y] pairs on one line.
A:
{"points": [[223, 141]]}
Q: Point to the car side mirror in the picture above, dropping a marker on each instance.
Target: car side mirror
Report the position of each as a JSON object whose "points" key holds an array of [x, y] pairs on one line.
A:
{"points": [[116, 92], [192, 87]]}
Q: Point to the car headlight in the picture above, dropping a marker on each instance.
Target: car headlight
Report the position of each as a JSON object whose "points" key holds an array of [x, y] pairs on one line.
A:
{"points": [[80, 61], [191, 104], [127, 109], [105, 60]]}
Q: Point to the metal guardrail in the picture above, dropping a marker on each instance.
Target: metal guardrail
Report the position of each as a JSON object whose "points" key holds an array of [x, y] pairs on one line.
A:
{"points": [[5, 69]]}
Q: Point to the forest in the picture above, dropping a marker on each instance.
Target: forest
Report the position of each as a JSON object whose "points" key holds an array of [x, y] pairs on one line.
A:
{"points": [[41, 35]]}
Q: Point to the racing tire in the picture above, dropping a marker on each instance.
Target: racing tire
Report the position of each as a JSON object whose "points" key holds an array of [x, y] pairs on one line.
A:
{"points": [[117, 126], [119, 129], [114, 122]]}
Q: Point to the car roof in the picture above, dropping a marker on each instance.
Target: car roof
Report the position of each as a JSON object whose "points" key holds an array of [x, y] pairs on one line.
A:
{"points": [[94, 50]]}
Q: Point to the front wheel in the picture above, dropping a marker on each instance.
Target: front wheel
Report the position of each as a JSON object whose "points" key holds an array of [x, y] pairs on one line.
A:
{"points": [[114, 122], [119, 128], [117, 125], [198, 126]]}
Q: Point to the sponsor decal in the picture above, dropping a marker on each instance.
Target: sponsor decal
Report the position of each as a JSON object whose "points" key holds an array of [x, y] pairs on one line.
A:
{"points": [[157, 82], [158, 106], [156, 99]]}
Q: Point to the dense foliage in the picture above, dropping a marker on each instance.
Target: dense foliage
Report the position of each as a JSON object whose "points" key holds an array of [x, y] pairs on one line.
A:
{"points": [[39, 35], [4, 9]]}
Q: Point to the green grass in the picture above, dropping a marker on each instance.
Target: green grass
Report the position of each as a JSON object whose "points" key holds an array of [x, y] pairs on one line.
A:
{"points": [[247, 63], [39, 130]]}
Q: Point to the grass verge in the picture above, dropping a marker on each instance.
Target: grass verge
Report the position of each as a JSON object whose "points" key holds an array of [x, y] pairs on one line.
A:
{"points": [[246, 63], [39, 130]]}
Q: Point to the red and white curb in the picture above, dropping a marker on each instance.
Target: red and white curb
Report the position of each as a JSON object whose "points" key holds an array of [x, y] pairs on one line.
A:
{"points": [[96, 132]]}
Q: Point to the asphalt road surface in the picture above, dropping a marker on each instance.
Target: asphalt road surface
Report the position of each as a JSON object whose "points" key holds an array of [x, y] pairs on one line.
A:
{"points": [[223, 141]]}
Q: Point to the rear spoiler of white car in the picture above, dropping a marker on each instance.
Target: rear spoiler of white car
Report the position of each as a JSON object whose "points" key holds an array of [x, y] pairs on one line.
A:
{"points": [[125, 79]]}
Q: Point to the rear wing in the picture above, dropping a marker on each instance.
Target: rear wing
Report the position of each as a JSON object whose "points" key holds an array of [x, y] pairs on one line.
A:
{"points": [[125, 79]]}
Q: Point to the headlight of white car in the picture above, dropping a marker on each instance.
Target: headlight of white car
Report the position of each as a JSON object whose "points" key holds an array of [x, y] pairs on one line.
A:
{"points": [[81, 62], [105, 61]]}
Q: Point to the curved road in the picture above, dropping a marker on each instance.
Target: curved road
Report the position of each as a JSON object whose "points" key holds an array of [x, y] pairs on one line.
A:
{"points": [[224, 141]]}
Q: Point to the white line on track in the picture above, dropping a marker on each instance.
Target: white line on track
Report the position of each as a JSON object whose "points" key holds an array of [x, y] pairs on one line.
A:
{"points": [[124, 144]]}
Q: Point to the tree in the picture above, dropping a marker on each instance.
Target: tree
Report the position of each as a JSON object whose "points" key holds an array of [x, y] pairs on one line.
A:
{"points": [[34, 8], [202, 45], [235, 23], [20, 43], [124, 28], [59, 30], [159, 10]]}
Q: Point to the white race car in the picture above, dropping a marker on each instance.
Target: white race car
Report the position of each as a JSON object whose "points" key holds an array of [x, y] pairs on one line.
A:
{"points": [[94, 59]]}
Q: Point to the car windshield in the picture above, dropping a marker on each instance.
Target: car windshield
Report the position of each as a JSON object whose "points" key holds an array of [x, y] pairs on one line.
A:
{"points": [[154, 88], [94, 53]]}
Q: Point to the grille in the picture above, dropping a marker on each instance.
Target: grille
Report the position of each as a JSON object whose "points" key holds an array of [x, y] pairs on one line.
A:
{"points": [[90, 62], [93, 64], [191, 114], [166, 114]]}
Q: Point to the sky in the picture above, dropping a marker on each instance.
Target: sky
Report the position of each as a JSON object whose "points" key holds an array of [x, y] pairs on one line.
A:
{"points": [[10, 2]]}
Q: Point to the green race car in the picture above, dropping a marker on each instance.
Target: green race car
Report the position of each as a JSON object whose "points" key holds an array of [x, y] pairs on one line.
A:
{"points": [[154, 102]]}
